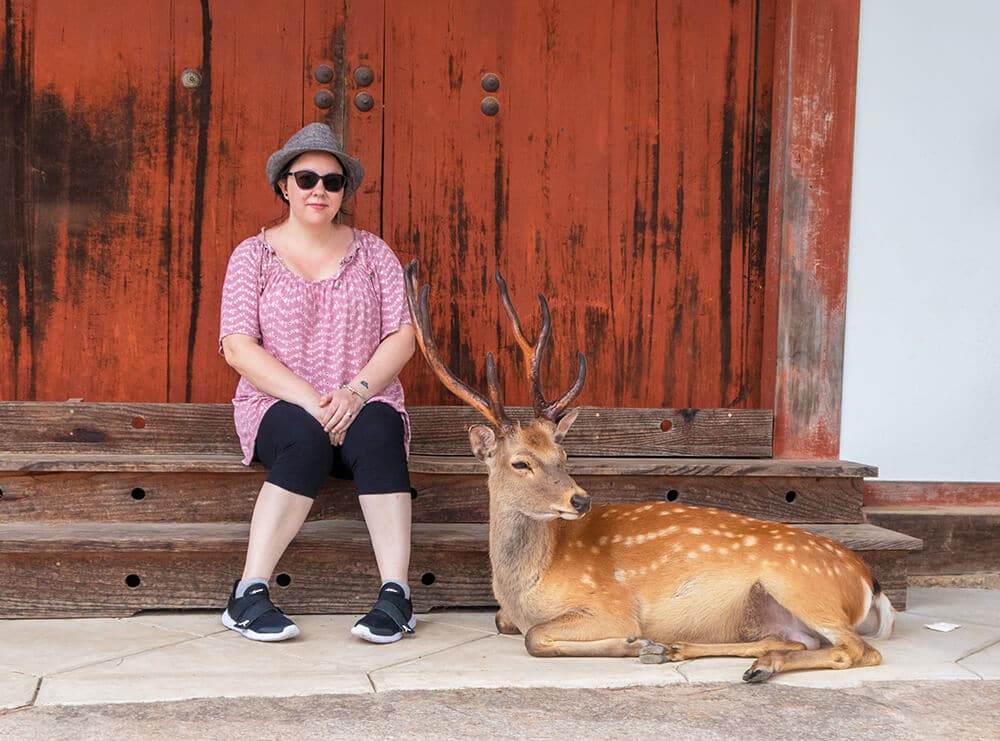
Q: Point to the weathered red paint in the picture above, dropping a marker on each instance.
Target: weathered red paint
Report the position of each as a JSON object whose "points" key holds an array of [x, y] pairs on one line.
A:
{"points": [[812, 145], [617, 179], [624, 176]]}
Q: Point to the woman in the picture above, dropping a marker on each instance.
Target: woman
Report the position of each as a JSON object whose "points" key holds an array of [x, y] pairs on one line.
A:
{"points": [[314, 319]]}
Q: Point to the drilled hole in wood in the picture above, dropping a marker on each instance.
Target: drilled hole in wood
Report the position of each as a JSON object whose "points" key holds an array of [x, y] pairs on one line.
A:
{"points": [[1, 493], [672, 495], [138, 422], [283, 580], [428, 579], [666, 424], [132, 581], [790, 496], [138, 493]]}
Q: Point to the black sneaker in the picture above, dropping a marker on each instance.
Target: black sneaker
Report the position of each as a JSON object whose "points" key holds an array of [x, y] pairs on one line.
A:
{"points": [[390, 618], [254, 615]]}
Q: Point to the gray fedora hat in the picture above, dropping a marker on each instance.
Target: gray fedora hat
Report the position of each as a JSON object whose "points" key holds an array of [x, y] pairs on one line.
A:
{"points": [[316, 137]]}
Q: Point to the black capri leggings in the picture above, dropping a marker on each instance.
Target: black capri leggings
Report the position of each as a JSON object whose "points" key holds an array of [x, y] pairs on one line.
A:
{"points": [[296, 449]]}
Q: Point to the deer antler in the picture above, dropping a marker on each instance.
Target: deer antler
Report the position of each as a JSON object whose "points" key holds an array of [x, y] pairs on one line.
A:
{"points": [[493, 409], [533, 356]]}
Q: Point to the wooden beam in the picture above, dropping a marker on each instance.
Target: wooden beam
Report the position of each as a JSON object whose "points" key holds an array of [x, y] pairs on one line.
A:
{"points": [[815, 73]]}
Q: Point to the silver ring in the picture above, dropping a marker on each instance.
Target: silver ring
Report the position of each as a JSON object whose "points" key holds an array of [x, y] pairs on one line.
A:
{"points": [[348, 414]]}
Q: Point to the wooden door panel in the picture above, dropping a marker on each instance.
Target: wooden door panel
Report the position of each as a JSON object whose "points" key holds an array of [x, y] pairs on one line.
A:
{"points": [[617, 178], [251, 56], [624, 176], [15, 212], [95, 277]]}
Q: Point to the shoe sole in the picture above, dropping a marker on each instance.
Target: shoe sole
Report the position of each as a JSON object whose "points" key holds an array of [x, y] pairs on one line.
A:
{"points": [[362, 631], [289, 632]]}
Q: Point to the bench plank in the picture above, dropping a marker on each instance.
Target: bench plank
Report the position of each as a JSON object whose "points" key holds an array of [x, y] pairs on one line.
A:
{"points": [[226, 497], [60, 570], [207, 430], [53, 461]]}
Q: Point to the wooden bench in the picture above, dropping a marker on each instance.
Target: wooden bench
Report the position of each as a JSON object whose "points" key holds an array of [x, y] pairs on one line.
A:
{"points": [[108, 509]]}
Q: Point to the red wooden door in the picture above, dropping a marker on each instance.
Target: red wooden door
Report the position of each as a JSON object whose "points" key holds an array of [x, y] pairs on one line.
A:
{"points": [[135, 136], [622, 175]]}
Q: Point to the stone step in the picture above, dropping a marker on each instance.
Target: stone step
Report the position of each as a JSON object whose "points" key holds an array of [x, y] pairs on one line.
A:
{"points": [[89, 569]]}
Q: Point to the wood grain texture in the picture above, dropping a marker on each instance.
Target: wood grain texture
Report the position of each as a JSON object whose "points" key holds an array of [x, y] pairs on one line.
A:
{"points": [[621, 189], [625, 176], [810, 194], [330, 567], [99, 148], [931, 493], [726, 433], [17, 216], [143, 496], [957, 539], [207, 430], [449, 465]]}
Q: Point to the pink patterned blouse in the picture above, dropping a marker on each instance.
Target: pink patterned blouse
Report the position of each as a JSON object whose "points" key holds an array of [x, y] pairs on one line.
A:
{"points": [[324, 331]]}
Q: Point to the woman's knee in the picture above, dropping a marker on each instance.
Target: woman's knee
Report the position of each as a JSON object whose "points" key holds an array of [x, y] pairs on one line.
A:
{"points": [[375, 452], [294, 446]]}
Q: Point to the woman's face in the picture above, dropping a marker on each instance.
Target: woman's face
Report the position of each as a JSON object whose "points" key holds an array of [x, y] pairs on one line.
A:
{"points": [[316, 205]]}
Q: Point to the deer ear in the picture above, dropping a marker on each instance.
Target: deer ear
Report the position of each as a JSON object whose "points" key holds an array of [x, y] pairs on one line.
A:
{"points": [[483, 441], [565, 423]]}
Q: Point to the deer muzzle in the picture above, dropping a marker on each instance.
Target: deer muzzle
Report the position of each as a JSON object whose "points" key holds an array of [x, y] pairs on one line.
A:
{"points": [[581, 503]]}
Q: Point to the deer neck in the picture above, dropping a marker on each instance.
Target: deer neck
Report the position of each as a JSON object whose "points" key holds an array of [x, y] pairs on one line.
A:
{"points": [[520, 550]]}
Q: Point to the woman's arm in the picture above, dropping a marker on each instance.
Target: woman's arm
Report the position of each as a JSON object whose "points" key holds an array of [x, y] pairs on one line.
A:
{"points": [[245, 355], [386, 362]]}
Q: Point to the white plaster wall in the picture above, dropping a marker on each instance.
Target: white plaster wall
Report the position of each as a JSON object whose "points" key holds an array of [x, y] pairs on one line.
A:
{"points": [[922, 357]]}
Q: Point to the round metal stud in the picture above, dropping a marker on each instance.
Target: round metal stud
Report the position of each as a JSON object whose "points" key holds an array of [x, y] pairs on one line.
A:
{"points": [[191, 78], [364, 76], [490, 106], [364, 102], [323, 73], [491, 83], [323, 99]]}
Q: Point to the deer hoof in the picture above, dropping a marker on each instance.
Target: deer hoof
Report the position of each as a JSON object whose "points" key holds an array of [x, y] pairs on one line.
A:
{"points": [[654, 653], [756, 674]]}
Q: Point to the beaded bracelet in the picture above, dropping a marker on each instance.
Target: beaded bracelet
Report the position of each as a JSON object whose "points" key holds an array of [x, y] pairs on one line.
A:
{"points": [[349, 387]]}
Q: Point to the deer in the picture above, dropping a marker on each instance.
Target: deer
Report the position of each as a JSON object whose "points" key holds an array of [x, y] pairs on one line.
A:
{"points": [[660, 581]]}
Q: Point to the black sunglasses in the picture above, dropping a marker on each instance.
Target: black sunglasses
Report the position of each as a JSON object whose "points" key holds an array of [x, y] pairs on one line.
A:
{"points": [[334, 182]]}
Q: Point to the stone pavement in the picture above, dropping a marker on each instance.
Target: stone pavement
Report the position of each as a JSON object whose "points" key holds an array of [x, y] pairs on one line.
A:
{"points": [[179, 668]]}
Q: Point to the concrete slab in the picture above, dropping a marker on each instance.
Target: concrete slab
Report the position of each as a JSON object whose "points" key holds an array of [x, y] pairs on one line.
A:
{"points": [[42, 647], [181, 656], [325, 659], [16, 689], [955, 605], [501, 661], [224, 665], [985, 664]]}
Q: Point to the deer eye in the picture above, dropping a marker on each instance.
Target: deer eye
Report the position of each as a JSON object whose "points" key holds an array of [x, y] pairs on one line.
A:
{"points": [[520, 466]]}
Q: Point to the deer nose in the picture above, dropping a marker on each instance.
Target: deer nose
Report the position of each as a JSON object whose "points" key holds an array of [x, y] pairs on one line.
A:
{"points": [[581, 503]]}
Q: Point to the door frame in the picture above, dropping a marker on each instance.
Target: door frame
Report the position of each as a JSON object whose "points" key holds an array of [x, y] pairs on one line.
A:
{"points": [[812, 147]]}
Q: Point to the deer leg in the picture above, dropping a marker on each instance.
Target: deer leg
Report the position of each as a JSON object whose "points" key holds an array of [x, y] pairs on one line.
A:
{"points": [[848, 651], [504, 626], [656, 653], [580, 634]]}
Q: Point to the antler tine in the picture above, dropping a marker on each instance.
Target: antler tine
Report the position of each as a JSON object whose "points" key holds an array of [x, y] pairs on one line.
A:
{"points": [[425, 337], [496, 393], [533, 355], [555, 410]]}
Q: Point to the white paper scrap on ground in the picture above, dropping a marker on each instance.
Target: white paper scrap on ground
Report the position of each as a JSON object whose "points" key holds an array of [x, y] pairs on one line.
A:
{"points": [[943, 627]]}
